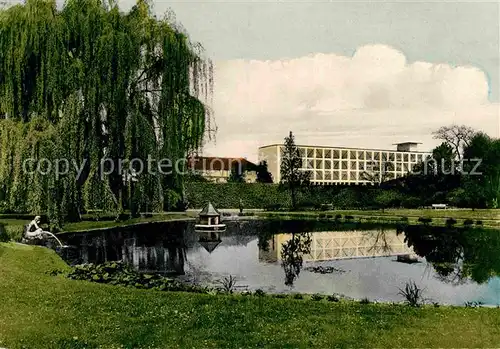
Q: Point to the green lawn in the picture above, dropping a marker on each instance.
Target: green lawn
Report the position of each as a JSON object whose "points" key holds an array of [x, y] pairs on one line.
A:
{"points": [[490, 218], [42, 311]]}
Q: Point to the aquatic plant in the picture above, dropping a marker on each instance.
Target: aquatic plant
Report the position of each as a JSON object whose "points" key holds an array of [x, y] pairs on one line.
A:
{"points": [[412, 293], [122, 274], [228, 283]]}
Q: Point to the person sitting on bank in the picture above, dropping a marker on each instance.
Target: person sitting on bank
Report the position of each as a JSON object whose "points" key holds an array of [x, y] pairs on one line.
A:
{"points": [[34, 231]]}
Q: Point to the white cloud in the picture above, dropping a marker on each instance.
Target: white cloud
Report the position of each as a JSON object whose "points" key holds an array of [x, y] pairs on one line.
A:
{"points": [[372, 99]]}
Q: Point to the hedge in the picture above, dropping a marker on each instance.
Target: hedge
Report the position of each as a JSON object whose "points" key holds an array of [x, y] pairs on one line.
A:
{"points": [[265, 196]]}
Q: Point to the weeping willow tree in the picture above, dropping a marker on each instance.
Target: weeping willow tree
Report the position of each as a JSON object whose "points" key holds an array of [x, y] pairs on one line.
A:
{"points": [[87, 82]]}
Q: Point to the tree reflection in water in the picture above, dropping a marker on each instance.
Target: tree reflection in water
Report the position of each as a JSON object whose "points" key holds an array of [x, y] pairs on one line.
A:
{"points": [[291, 255], [457, 254]]}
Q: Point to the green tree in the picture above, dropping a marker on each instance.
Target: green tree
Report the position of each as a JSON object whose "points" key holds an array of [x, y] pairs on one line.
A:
{"points": [[263, 175], [237, 174], [482, 168], [88, 82], [292, 178], [387, 198], [378, 172]]}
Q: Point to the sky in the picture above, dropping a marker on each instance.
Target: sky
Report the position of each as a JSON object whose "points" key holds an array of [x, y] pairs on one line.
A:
{"points": [[345, 73]]}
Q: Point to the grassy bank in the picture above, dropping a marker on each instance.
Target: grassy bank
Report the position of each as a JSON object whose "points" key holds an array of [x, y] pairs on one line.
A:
{"points": [[489, 218], [14, 227], [43, 311]]}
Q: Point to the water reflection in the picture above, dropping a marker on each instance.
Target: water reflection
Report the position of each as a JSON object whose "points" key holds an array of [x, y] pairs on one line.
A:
{"points": [[457, 254], [295, 248], [308, 255]]}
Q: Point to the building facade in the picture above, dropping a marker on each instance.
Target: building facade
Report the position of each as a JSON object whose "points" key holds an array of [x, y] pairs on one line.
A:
{"points": [[339, 165], [218, 169]]}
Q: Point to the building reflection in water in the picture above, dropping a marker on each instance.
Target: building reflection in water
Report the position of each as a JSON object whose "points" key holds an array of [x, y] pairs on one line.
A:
{"points": [[291, 250], [332, 245]]}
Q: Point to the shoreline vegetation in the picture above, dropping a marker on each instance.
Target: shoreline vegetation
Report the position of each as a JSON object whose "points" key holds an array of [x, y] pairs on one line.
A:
{"points": [[50, 314]]}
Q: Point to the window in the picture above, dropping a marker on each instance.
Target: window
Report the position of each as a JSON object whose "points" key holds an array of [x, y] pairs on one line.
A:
{"points": [[398, 166], [318, 175], [344, 165], [377, 156], [405, 167], [336, 154], [344, 154], [353, 154], [391, 156], [385, 157], [328, 164], [398, 156], [413, 158], [361, 166], [353, 165], [361, 155], [302, 152], [419, 158], [354, 176], [343, 175], [405, 157], [303, 163], [369, 156], [336, 165], [335, 175], [328, 175], [328, 153], [319, 153], [310, 153], [310, 163], [319, 164]]}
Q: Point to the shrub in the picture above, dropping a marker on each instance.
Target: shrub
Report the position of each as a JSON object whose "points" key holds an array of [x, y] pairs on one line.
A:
{"points": [[425, 220], [411, 202], [451, 222], [259, 293], [316, 297], [468, 222], [338, 217], [298, 296], [4, 237], [364, 301], [280, 295], [479, 222], [332, 298], [14, 232]]}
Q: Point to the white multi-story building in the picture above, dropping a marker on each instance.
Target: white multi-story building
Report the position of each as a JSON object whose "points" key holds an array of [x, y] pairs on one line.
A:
{"points": [[339, 165]]}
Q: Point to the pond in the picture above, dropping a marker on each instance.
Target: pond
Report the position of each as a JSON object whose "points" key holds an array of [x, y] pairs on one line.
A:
{"points": [[453, 265]]}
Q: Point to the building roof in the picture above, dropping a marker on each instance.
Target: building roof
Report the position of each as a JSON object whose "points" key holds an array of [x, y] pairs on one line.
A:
{"points": [[209, 211], [404, 143], [204, 163], [210, 246], [337, 147]]}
